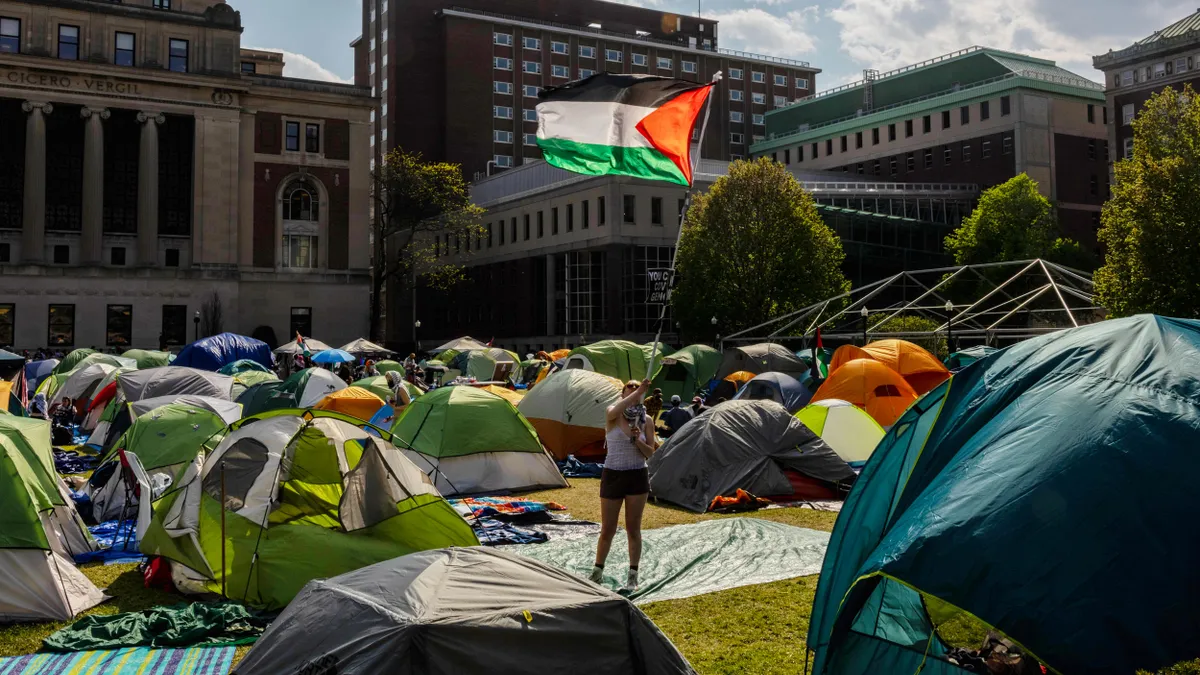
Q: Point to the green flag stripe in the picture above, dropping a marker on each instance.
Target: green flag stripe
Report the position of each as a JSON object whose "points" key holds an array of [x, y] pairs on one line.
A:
{"points": [[600, 160]]}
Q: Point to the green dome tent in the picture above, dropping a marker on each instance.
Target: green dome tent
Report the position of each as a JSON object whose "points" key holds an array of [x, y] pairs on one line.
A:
{"points": [[39, 531], [849, 430], [347, 499], [387, 365], [69, 361], [471, 441], [1048, 493], [147, 358], [243, 366], [621, 359], [310, 385], [687, 371], [265, 396]]}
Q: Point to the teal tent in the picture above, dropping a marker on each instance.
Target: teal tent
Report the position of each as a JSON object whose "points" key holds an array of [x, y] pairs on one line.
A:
{"points": [[965, 357], [1046, 493]]}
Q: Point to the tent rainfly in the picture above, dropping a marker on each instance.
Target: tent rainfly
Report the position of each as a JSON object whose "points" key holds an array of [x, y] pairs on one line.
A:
{"points": [[621, 359], [779, 387], [687, 371], [568, 410], [766, 357], [290, 348], [872, 386], [848, 429], [364, 347], [211, 353], [174, 381]]}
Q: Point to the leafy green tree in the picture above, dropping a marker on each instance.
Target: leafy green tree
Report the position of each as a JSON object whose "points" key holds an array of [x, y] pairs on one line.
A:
{"points": [[1151, 225], [753, 248], [422, 209], [1013, 221]]}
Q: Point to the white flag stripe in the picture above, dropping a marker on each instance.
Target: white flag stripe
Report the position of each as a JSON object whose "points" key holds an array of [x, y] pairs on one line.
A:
{"points": [[593, 123]]}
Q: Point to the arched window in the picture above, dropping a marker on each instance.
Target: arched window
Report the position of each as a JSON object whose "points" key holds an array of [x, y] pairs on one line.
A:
{"points": [[301, 216]]}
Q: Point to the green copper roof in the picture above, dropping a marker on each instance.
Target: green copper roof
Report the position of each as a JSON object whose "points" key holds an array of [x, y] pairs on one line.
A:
{"points": [[954, 79], [1181, 27]]}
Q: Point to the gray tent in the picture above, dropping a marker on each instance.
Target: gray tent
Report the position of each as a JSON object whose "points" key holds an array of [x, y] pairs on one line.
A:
{"points": [[766, 357], [740, 444], [461, 610], [174, 381]]}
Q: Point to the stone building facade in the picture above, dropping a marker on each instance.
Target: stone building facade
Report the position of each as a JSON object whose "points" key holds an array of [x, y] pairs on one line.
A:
{"points": [[152, 171]]}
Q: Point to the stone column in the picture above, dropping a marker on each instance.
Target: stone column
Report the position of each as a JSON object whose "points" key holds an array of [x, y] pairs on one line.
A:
{"points": [[93, 184], [33, 221], [245, 183], [147, 218]]}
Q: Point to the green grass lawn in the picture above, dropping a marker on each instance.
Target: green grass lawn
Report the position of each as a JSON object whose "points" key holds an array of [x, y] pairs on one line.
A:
{"points": [[752, 629]]}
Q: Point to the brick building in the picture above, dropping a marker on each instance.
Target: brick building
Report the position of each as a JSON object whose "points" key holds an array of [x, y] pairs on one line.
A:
{"points": [[149, 164], [976, 116], [1168, 58]]}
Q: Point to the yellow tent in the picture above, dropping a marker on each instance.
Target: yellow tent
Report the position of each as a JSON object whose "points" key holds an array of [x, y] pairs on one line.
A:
{"points": [[353, 401], [513, 397]]}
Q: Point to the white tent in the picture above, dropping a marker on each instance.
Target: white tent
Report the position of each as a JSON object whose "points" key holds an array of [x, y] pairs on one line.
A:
{"points": [[314, 345]]}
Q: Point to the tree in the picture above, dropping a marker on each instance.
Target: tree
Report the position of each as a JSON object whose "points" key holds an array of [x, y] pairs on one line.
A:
{"points": [[1151, 224], [753, 248], [422, 210], [1013, 221], [212, 316]]}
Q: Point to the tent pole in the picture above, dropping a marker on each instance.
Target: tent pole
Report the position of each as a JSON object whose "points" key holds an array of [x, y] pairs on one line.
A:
{"points": [[687, 205], [223, 575]]}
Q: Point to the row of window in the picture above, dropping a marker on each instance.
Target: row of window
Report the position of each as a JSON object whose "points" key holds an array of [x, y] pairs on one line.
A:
{"points": [[528, 90], [124, 44], [738, 117], [910, 159], [534, 226], [535, 67], [501, 136], [60, 325], [757, 97], [1181, 64], [505, 112], [61, 255]]}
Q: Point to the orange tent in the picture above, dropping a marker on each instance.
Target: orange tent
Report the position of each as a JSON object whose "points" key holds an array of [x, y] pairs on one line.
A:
{"points": [[872, 386], [353, 401], [729, 386], [845, 354], [559, 354], [918, 367]]}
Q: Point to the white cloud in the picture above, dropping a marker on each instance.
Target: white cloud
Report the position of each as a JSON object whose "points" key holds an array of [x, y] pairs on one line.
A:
{"points": [[886, 34], [756, 30], [301, 66]]}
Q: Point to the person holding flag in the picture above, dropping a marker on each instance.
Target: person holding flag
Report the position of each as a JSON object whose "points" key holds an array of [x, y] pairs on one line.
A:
{"points": [[639, 126]]}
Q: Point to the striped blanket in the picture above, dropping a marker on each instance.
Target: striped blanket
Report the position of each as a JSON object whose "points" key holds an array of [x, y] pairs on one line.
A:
{"points": [[133, 661]]}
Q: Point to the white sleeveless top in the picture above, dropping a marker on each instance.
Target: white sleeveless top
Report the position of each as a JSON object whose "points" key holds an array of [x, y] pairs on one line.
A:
{"points": [[623, 455]]}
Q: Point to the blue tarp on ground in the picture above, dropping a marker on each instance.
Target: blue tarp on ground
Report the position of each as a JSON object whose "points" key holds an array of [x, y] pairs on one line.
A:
{"points": [[213, 353], [1048, 490]]}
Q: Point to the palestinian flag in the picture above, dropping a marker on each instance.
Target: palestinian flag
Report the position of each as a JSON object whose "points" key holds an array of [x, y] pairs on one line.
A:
{"points": [[629, 125]]}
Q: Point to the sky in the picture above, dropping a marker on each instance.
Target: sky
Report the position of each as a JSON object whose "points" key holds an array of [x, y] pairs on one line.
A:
{"points": [[841, 37]]}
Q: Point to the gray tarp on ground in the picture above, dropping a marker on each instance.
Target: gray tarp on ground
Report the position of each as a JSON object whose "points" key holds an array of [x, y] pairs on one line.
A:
{"points": [[461, 610], [174, 381], [687, 560], [740, 444]]}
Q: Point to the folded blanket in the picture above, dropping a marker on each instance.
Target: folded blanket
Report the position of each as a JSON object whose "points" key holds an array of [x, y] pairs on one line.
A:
{"points": [[187, 625]]}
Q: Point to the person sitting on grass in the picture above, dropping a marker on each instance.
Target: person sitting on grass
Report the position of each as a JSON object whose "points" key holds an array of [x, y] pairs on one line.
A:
{"points": [[629, 440]]}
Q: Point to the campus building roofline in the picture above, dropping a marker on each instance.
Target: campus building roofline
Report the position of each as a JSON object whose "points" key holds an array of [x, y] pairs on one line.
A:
{"points": [[635, 39], [1182, 33]]}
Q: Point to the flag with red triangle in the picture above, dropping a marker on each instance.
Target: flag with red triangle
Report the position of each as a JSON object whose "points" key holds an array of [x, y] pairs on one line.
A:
{"points": [[629, 125]]}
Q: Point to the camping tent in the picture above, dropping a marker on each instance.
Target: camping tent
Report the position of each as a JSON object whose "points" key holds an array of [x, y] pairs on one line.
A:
{"points": [[264, 396], [290, 348], [39, 531], [244, 380], [766, 357], [965, 357], [213, 352], [310, 385], [364, 347], [1047, 494], [147, 358], [387, 365], [748, 445], [848, 429], [376, 384], [568, 409], [9, 402], [353, 401], [461, 344], [621, 359], [477, 610], [779, 387], [922, 370], [84, 383], [164, 440], [243, 366], [36, 371], [481, 363], [174, 381], [471, 441], [872, 386], [69, 361], [729, 386], [687, 371], [513, 397], [347, 499]]}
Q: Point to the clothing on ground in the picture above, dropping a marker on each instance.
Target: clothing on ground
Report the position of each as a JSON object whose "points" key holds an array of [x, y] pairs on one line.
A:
{"points": [[573, 468], [71, 461], [687, 560], [133, 661], [502, 507], [186, 625]]}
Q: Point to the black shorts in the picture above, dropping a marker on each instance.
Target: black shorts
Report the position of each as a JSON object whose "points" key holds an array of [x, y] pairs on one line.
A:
{"points": [[616, 484]]}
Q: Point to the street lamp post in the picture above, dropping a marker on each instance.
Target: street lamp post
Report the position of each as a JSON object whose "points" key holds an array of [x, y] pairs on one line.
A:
{"points": [[864, 313], [713, 321], [196, 325], [949, 327], [416, 342]]}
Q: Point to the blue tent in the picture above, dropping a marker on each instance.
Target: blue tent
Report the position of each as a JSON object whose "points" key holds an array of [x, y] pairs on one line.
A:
{"points": [[1047, 492], [213, 353], [779, 387], [36, 371]]}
